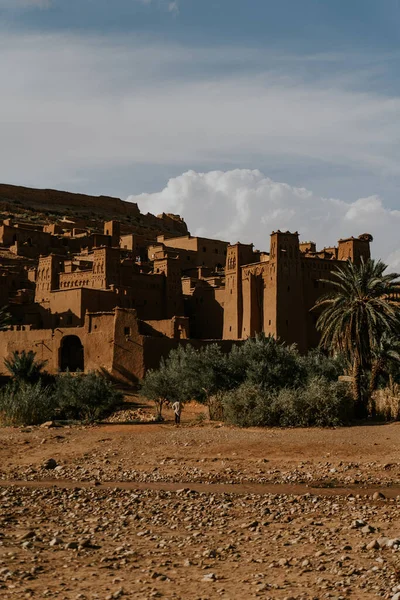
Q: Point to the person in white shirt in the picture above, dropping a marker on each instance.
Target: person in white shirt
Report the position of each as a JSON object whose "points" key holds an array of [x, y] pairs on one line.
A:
{"points": [[177, 408]]}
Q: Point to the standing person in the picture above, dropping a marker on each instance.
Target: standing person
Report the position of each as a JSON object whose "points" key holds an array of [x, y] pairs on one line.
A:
{"points": [[177, 408]]}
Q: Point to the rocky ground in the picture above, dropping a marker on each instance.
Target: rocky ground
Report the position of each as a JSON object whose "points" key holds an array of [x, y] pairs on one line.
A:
{"points": [[200, 511]]}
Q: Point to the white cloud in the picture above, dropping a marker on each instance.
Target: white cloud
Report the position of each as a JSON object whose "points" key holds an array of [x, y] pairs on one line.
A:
{"points": [[244, 205]]}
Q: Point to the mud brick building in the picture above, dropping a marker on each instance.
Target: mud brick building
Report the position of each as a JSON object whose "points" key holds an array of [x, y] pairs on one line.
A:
{"points": [[117, 294], [275, 292]]}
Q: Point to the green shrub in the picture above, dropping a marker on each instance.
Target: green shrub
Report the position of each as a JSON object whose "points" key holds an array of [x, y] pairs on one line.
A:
{"points": [[320, 403], [247, 406], [86, 397], [317, 364], [264, 361], [26, 404]]}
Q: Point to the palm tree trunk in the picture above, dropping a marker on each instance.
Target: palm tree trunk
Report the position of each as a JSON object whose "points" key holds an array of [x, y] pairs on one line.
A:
{"points": [[376, 368], [356, 388], [373, 384]]}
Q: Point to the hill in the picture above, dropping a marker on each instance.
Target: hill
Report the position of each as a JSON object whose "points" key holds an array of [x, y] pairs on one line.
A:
{"points": [[48, 205]]}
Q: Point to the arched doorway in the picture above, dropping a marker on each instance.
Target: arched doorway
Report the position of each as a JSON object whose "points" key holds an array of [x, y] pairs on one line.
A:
{"points": [[71, 354]]}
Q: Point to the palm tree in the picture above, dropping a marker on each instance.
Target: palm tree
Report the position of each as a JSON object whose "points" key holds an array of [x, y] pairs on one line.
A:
{"points": [[5, 318], [23, 367], [385, 355], [362, 305]]}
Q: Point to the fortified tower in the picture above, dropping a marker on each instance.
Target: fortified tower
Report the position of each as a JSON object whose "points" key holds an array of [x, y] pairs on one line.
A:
{"points": [[170, 267], [283, 298], [355, 248], [237, 256], [106, 267], [47, 278], [113, 228]]}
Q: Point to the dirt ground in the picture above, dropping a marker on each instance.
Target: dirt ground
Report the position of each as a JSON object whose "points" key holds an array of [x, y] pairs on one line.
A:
{"points": [[199, 511]]}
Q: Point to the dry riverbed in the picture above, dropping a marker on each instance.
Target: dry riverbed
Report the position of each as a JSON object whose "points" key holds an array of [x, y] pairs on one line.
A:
{"points": [[201, 511]]}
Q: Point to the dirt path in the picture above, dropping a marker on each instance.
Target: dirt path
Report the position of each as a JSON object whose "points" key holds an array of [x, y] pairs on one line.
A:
{"points": [[212, 488]]}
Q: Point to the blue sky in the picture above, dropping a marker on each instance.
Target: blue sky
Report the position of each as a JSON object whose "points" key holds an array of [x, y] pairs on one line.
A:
{"points": [[120, 96]]}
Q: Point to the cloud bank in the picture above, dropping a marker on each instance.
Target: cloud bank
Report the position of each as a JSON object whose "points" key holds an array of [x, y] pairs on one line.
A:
{"points": [[244, 205], [74, 102]]}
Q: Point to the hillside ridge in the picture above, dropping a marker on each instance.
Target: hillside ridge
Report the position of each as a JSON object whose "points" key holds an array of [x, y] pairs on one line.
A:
{"points": [[85, 205]]}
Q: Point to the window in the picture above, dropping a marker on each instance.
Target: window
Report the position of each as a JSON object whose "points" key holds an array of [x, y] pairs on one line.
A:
{"points": [[204, 249], [127, 331]]}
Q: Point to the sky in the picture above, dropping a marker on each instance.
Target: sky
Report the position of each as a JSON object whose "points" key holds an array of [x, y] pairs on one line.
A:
{"points": [[242, 116]]}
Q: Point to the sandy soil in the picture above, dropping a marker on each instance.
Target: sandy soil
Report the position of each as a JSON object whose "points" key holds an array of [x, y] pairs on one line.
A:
{"points": [[199, 511]]}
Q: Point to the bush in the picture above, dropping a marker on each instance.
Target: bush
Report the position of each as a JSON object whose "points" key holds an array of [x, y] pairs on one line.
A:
{"points": [[26, 404], [247, 406], [86, 397], [264, 361], [320, 403], [317, 364]]}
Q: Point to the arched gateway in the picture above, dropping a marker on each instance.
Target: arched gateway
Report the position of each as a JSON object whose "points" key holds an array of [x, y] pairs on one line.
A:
{"points": [[71, 354]]}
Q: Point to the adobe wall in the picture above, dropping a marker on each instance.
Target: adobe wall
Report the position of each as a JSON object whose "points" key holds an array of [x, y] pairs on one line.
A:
{"points": [[39, 239], [69, 307], [104, 339], [204, 305], [39, 341], [253, 284], [315, 270], [210, 253], [354, 249], [176, 328], [238, 255], [128, 363]]}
